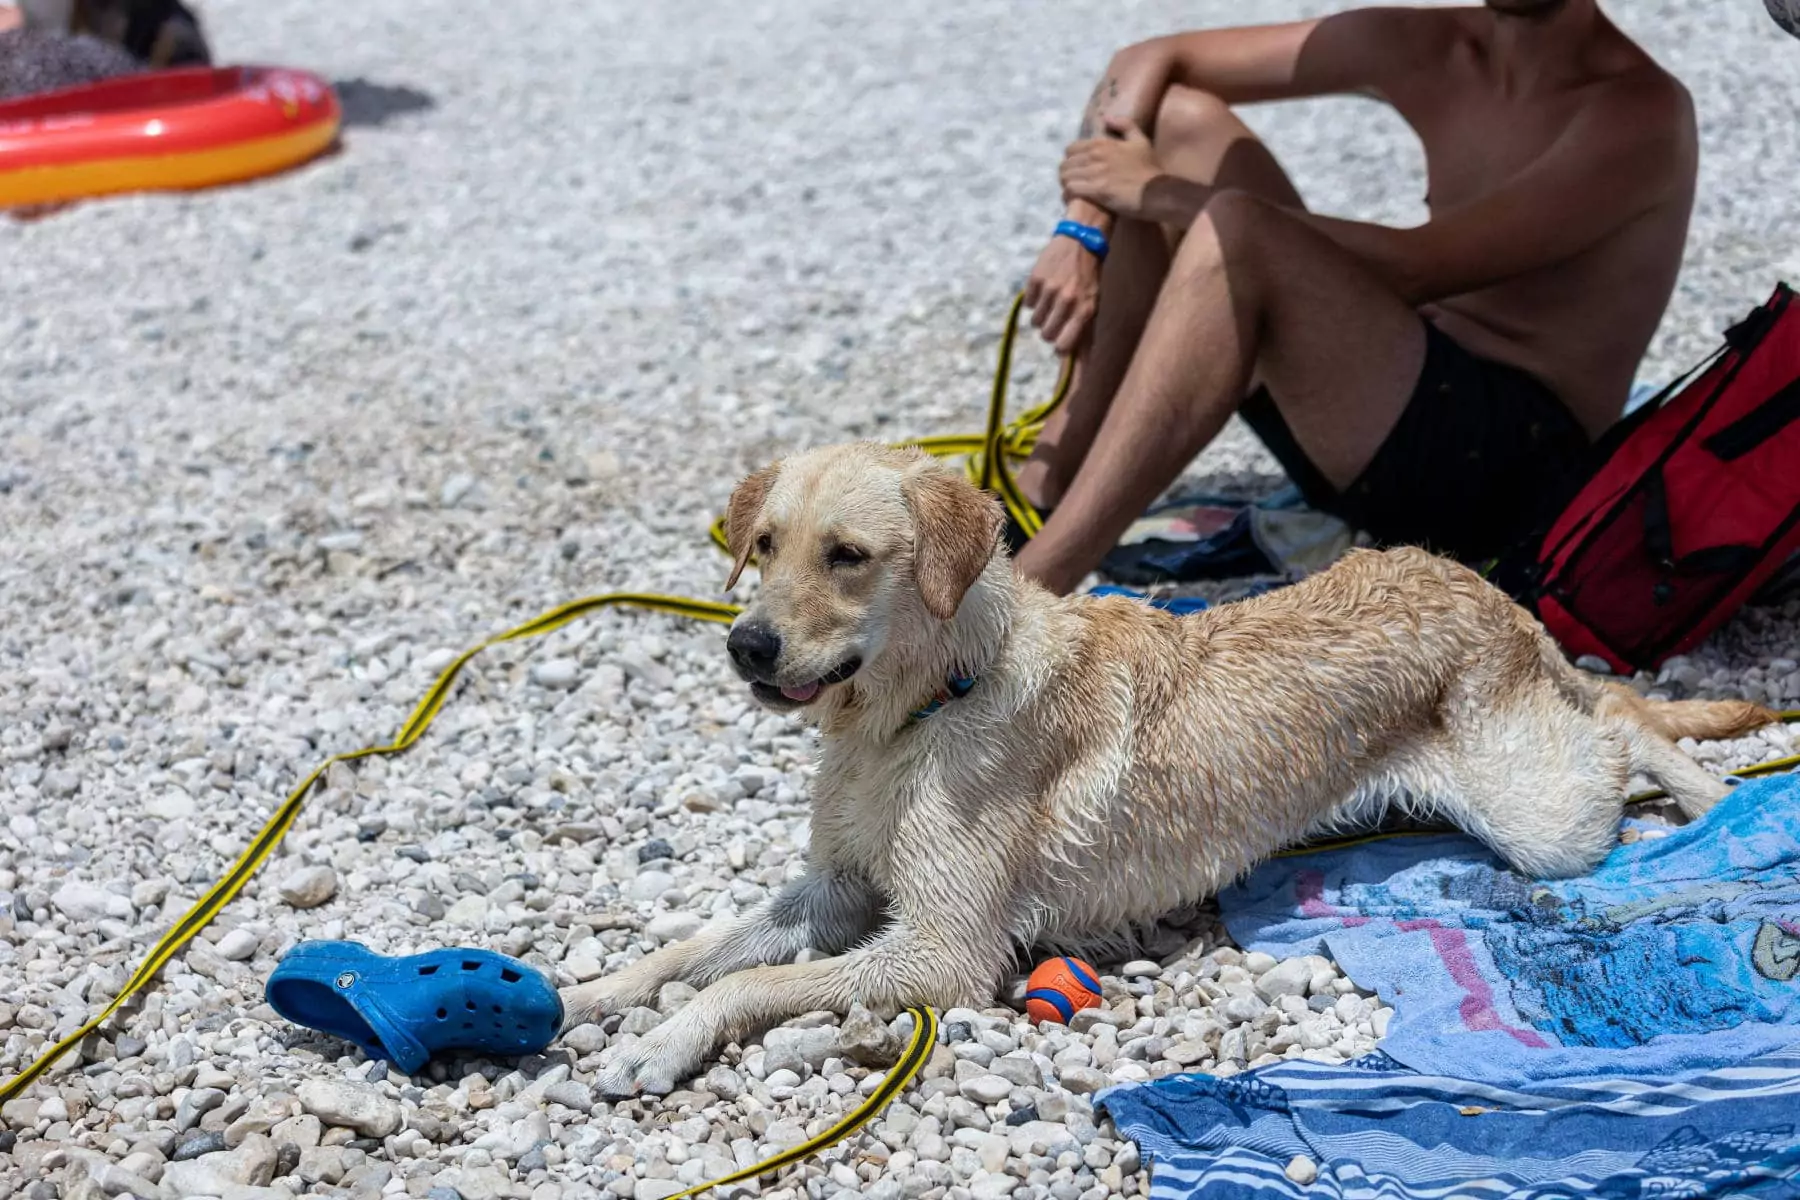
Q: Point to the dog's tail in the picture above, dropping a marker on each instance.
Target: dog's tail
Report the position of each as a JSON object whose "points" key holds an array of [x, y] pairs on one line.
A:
{"points": [[1703, 720]]}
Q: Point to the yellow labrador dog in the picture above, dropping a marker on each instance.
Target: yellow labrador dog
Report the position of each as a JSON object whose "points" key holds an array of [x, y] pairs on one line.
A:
{"points": [[1003, 767]]}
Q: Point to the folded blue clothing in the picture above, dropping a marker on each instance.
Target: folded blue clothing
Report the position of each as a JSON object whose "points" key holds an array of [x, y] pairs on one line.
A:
{"points": [[1372, 1129], [1181, 606], [1679, 954]]}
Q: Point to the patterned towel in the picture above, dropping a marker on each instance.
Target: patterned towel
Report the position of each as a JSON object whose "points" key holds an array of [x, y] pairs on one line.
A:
{"points": [[1681, 953], [1632, 1033], [1373, 1129]]}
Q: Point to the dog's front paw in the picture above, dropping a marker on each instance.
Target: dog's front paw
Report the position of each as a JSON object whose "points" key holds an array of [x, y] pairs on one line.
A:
{"points": [[642, 1069], [584, 1004]]}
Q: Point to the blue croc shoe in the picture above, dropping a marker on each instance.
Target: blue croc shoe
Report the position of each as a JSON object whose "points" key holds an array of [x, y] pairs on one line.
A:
{"points": [[405, 1010]]}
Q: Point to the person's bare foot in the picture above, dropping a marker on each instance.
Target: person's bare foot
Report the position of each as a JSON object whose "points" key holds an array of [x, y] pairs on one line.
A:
{"points": [[10, 18]]}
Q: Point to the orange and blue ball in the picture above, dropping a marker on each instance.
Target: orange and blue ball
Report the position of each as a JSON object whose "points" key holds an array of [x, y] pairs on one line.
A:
{"points": [[1060, 988]]}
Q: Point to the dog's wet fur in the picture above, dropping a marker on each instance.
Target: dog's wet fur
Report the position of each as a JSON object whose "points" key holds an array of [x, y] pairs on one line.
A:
{"points": [[1111, 762]]}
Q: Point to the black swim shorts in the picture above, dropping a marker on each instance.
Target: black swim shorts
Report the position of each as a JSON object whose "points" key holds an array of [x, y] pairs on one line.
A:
{"points": [[1482, 454]]}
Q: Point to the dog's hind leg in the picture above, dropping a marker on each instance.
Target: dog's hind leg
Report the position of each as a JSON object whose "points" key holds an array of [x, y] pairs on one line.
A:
{"points": [[1542, 783], [1647, 729]]}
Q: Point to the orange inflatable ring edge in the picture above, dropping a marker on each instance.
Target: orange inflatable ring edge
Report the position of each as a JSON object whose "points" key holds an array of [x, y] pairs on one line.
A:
{"points": [[173, 130]]}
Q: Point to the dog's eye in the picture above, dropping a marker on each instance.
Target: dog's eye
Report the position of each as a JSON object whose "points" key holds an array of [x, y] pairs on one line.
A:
{"points": [[764, 545], [845, 556]]}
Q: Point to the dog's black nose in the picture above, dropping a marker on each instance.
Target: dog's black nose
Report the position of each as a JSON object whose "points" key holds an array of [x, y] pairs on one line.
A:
{"points": [[754, 647]]}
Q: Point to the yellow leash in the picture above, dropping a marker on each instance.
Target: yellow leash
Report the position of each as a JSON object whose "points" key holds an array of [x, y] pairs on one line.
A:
{"points": [[222, 892], [924, 1039]]}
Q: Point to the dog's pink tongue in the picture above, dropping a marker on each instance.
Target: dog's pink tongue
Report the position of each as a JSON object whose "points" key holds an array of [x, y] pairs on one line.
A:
{"points": [[802, 694]]}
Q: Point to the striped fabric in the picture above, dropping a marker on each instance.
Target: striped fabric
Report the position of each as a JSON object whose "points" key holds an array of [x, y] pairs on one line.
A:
{"points": [[1373, 1129]]}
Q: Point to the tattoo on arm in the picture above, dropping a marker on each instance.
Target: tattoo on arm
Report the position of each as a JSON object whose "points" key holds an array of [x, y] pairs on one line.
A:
{"points": [[1091, 117]]}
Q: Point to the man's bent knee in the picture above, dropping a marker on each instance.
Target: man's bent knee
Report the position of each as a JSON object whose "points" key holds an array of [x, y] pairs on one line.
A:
{"points": [[1188, 116]]}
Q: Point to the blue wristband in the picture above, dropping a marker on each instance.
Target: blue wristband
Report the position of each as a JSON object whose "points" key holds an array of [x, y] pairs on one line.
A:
{"points": [[1090, 238]]}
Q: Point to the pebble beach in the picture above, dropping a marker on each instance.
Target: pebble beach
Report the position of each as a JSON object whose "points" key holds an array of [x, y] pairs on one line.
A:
{"points": [[272, 456]]}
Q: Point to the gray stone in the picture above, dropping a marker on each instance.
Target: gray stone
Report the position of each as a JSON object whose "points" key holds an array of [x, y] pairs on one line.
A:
{"points": [[639, 1021], [303, 1131], [1287, 978], [356, 1106], [253, 1162], [1083, 1081], [986, 1089], [321, 1164], [789, 1048], [559, 674], [672, 926], [571, 1093], [1086, 1019], [237, 945], [585, 1039], [206, 1176], [650, 884], [84, 902], [867, 1041], [197, 1144], [724, 1083], [309, 887], [196, 1104], [1187, 1053], [1019, 1070]]}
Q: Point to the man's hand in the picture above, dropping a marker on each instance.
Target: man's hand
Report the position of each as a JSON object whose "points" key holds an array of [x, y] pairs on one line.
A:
{"points": [[1111, 172], [1063, 292]]}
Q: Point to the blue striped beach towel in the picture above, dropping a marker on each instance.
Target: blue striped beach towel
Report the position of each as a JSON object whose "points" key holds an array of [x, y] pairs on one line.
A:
{"points": [[1373, 1129]]}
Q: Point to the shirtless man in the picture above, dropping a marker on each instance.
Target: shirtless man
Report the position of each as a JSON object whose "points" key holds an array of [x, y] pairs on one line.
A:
{"points": [[1436, 385]]}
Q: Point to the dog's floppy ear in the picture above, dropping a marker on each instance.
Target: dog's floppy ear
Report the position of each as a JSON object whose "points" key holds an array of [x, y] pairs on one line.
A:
{"points": [[955, 528], [740, 517]]}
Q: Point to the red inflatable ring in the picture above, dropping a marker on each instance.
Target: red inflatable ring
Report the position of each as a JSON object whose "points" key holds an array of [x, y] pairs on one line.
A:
{"points": [[165, 130]]}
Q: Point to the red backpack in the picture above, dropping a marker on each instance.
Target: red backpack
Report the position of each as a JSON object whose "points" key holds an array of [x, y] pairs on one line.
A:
{"points": [[1694, 506]]}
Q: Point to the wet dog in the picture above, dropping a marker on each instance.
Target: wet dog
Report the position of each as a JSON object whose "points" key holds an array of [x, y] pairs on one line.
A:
{"points": [[1001, 767]]}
